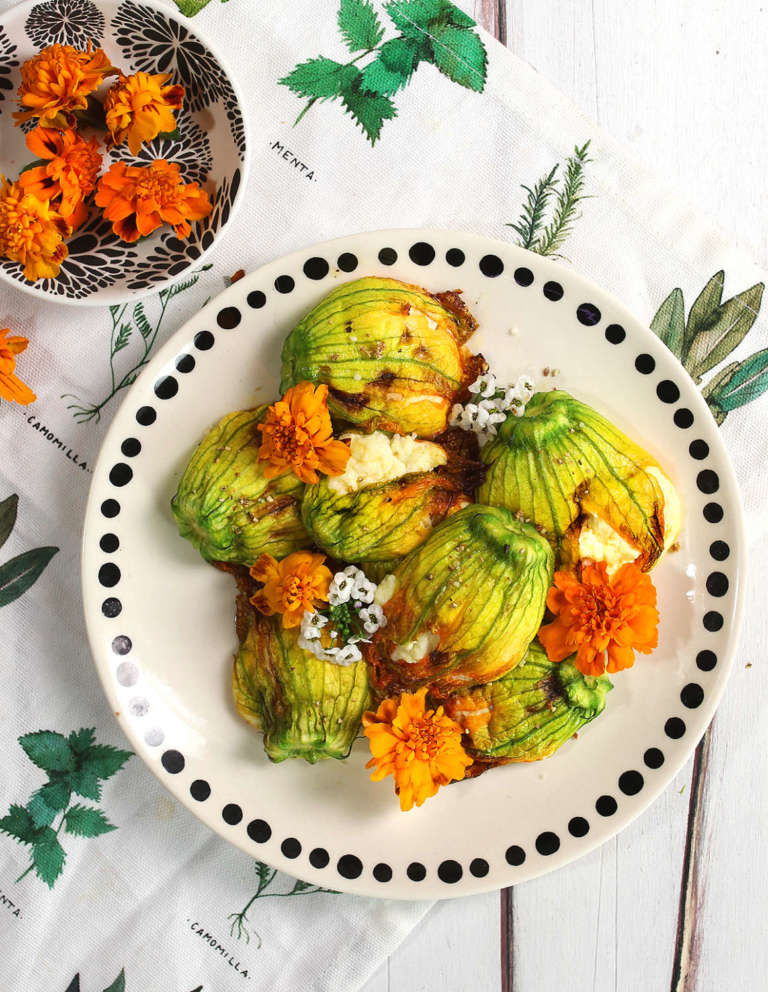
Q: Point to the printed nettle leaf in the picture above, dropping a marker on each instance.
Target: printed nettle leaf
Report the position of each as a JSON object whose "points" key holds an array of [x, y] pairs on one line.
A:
{"points": [[21, 572], [394, 65], [320, 78], [722, 330], [669, 322], [18, 823], [460, 55], [48, 750], [48, 856], [86, 821], [8, 510], [414, 18], [369, 110], [359, 25]]}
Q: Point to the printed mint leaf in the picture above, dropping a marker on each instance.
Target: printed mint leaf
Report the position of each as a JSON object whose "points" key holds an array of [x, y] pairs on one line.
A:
{"points": [[18, 823], [42, 814], [81, 740], [103, 760], [393, 66], [369, 110], [669, 322], [7, 517], [86, 784], [704, 306], [414, 18], [86, 821], [319, 78], [21, 572], [48, 750], [359, 25], [48, 857], [723, 330], [119, 983], [55, 793], [460, 55]]}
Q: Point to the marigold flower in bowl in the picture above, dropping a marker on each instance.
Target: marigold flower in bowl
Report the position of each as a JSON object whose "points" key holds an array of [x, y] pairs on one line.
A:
{"points": [[603, 618], [68, 173], [31, 232], [58, 81], [11, 387], [297, 583], [140, 107], [139, 199], [421, 748], [297, 433]]}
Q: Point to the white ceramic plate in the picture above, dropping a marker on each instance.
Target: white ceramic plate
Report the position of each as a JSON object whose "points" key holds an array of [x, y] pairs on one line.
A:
{"points": [[161, 621], [210, 149]]}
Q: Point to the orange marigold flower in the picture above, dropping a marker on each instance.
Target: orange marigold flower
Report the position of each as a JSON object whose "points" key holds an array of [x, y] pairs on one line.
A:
{"points": [[57, 81], [297, 434], [140, 107], [297, 583], [420, 748], [31, 232], [598, 615], [139, 199], [69, 173], [11, 387]]}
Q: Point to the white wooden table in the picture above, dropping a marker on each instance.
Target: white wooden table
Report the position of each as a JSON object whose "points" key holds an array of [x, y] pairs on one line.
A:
{"points": [[679, 900]]}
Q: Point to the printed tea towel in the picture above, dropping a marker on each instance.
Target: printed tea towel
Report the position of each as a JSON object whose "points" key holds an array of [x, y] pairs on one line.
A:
{"points": [[362, 114]]}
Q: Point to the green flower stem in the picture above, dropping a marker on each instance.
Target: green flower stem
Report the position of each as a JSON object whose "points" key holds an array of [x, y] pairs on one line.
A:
{"points": [[24, 873]]}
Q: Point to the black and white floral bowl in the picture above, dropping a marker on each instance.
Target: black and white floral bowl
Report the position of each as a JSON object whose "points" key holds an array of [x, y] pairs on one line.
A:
{"points": [[210, 148]]}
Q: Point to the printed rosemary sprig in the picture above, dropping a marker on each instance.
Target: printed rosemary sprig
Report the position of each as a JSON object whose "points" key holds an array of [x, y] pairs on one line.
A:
{"points": [[21, 572], [434, 32], [713, 330], [534, 233], [130, 323], [75, 765], [266, 876]]}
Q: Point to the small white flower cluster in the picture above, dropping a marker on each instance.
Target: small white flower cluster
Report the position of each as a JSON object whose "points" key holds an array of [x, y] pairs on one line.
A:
{"points": [[493, 404], [352, 588]]}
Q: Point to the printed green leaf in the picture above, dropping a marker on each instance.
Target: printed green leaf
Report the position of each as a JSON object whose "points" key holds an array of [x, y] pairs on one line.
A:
{"points": [[48, 750], [369, 110], [42, 814], [191, 7], [7, 517], [705, 304], [739, 383], [359, 24], [48, 856], [86, 821], [103, 760], [460, 55], [119, 983], [669, 322], [74, 985], [393, 67], [55, 793], [85, 784], [319, 78], [414, 18], [123, 337], [140, 319], [723, 330], [21, 572], [81, 740], [18, 823], [532, 216]]}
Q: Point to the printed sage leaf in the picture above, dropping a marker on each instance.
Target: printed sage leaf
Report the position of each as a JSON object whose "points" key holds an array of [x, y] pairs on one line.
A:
{"points": [[369, 110], [21, 572], [7, 517], [86, 821], [359, 25], [703, 307], [74, 985], [739, 383], [392, 69], [460, 55], [48, 750], [48, 856], [722, 332], [18, 823], [669, 322]]}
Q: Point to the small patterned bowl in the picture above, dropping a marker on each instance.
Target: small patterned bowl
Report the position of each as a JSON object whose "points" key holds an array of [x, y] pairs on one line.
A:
{"points": [[210, 148]]}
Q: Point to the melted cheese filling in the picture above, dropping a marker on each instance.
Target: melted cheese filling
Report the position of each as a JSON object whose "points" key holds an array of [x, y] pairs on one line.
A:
{"points": [[416, 650], [377, 457]]}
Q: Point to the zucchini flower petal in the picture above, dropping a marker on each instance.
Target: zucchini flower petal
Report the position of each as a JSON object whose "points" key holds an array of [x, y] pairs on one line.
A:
{"points": [[463, 606], [591, 491], [392, 354], [527, 714], [226, 507]]}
